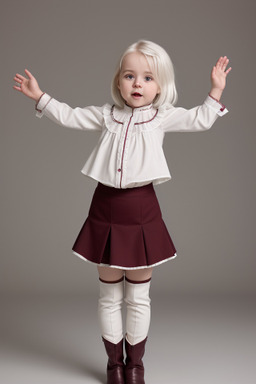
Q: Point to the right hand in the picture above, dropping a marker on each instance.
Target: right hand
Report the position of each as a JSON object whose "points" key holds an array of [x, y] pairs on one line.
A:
{"points": [[29, 87]]}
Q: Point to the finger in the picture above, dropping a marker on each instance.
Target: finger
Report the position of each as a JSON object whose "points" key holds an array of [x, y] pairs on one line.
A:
{"points": [[20, 76], [228, 70], [17, 80], [29, 74], [17, 88], [225, 62], [219, 62], [222, 62]]}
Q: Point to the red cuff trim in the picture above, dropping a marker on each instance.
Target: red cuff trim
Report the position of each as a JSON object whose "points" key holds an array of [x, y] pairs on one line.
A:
{"points": [[222, 105], [39, 110]]}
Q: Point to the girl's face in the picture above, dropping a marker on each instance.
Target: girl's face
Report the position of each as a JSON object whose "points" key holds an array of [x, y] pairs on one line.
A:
{"points": [[136, 82]]}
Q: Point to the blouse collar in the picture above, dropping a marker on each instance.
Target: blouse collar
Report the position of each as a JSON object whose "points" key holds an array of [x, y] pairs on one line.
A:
{"points": [[144, 114], [142, 109]]}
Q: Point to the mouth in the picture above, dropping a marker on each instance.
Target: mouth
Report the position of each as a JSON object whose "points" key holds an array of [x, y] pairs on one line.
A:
{"points": [[137, 94]]}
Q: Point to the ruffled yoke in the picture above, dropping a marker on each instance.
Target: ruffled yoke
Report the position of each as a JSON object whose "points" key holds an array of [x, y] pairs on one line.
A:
{"points": [[144, 118]]}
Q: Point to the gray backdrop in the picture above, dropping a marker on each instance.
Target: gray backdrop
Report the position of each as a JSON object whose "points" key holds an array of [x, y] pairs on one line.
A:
{"points": [[209, 206]]}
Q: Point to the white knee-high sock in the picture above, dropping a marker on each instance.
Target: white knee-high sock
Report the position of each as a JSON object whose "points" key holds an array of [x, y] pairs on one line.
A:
{"points": [[110, 310], [138, 310]]}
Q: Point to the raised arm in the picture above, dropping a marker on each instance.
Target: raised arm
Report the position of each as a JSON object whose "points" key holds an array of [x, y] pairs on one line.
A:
{"points": [[88, 118], [202, 117]]}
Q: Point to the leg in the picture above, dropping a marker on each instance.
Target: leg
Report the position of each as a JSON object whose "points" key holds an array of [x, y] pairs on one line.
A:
{"points": [[110, 303], [137, 298], [137, 284], [139, 274], [110, 317], [110, 274]]}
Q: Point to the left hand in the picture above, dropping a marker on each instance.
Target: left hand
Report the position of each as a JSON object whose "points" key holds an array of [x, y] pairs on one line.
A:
{"points": [[219, 73]]}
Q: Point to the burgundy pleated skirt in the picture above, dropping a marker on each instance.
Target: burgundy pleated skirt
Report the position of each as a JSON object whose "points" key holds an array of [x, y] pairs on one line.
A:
{"points": [[124, 229]]}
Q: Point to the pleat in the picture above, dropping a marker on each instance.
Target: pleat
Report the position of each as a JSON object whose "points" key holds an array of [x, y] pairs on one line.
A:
{"points": [[127, 246], [158, 244], [92, 241]]}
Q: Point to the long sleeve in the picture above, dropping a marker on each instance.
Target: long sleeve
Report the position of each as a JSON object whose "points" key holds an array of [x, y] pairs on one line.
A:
{"points": [[195, 119], [88, 118]]}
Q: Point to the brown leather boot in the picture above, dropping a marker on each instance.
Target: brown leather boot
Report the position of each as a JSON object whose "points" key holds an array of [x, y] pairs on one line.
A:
{"points": [[134, 369], [115, 367]]}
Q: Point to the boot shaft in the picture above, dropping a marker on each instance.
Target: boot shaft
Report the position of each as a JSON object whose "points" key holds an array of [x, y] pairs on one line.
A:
{"points": [[114, 352], [115, 366], [134, 368]]}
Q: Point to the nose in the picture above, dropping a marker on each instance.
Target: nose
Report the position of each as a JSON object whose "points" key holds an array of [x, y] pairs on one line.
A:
{"points": [[136, 83]]}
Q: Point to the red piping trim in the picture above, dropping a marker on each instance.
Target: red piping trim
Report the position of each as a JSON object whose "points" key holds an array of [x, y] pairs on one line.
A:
{"points": [[39, 110], [123, 150], [148, 121], [112, 282], [137, 282], [112, 115], [223, 106]]}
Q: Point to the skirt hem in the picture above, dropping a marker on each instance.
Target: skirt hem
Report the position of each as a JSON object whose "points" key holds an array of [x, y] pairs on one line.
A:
{"points": [[122, 267]]}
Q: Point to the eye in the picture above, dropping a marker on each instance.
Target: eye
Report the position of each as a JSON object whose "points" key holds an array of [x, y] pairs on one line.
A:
{"points": [[148, 78], [129, 76]]}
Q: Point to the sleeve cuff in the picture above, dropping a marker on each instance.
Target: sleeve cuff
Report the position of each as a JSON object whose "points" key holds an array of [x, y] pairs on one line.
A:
{"points": [[42, 104], [216, 106]]}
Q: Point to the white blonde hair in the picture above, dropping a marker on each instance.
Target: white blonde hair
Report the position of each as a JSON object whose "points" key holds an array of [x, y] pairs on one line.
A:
{"points": [[161, 66]]}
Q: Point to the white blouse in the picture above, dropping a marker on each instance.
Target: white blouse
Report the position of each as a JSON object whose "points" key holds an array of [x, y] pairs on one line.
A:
{"points": [[129, 152]]}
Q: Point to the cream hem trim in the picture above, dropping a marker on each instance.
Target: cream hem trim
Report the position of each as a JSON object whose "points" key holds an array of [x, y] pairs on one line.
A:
{"points": [[125, 268]]}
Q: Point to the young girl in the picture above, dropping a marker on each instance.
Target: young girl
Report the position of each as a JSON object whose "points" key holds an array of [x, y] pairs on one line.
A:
{"points": [[124, 233]]}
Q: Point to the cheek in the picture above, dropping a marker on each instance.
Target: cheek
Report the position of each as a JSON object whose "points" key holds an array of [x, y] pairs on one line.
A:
{"points": [[122, 90], [124, 87]]}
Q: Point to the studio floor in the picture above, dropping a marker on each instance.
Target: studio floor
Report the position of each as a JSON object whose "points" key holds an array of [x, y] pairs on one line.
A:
{"points": [[192, 340]]}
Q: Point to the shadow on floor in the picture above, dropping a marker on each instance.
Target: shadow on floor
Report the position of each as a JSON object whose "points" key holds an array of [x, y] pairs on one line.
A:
{"points": [[52, 335]]}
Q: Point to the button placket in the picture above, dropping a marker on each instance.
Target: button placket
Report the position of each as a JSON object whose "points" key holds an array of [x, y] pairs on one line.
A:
{"points": [[119, 154], [125, 156], [124, 152]]}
